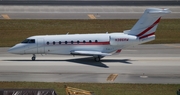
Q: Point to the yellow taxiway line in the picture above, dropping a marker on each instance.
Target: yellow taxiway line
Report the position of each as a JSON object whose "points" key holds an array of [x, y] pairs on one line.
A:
{"points": [[112, 77], [5, 16], [91, 16]]}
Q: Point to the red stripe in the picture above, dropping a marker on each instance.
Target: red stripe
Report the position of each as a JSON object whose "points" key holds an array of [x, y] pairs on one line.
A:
{"points": [[93, 43], [146, 30], [118, 51], [81, 43], [147, 35]]}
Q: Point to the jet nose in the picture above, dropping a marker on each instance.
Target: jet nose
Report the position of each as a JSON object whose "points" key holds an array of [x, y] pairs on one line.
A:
{"points": [[12, 50], [17, 49]]}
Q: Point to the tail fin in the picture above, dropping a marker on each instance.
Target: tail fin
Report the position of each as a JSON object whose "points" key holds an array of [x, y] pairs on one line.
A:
{"points": [[147, 24]]}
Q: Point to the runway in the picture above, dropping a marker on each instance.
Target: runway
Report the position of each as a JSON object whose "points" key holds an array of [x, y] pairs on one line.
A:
{"points": [[80, 12], [157, 63]]}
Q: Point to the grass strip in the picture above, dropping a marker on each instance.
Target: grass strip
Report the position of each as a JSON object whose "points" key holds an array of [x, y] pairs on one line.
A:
{"points": [[14, 31], [99, 88]]}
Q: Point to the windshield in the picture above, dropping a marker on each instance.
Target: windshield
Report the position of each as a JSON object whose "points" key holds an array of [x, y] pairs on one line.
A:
{"points": [[28, 41]]}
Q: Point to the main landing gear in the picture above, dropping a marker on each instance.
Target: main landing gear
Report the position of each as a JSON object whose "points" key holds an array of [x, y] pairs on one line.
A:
{"points": [[33, 57], [97, 58]]}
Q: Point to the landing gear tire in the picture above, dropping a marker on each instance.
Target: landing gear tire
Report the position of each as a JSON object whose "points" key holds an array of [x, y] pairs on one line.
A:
{"points": [[97, 59], [34, 57]]}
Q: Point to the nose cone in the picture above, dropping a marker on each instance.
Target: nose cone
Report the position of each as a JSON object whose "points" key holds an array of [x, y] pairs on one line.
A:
{"points": [[17, 49], [13, 50]]}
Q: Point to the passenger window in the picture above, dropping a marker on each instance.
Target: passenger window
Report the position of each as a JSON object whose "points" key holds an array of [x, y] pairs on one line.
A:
{"points": [[47, 43], [90, 41], [59, 42], [78, 42], [71, 42], [53, 42], [84, 41], [65, 42], [96, 41]]}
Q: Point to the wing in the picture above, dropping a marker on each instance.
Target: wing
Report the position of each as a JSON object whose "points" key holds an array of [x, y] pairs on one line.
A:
{"points": [[90, 53]]}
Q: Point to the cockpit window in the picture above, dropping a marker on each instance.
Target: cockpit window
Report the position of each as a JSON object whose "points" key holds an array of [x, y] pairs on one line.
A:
{"points": [[31, 41], [28, 41]]}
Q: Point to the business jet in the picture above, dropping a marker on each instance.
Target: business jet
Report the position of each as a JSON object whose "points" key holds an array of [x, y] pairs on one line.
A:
{"points": [[96, 45]]}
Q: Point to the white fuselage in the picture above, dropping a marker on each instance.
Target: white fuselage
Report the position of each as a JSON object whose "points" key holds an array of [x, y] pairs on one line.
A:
{"points": [[64, 44]]}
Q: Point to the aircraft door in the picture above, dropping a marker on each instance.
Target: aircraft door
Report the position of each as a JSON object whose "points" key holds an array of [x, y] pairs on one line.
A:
{"points": [[40, 46]]}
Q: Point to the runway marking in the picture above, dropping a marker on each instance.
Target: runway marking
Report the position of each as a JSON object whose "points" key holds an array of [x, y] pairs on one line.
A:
{"points": [[143, 76], [171, 45], [91, 16], [112, 77], [5, 16]]}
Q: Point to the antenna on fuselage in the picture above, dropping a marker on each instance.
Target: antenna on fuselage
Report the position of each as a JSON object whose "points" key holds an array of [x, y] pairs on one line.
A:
{"points": [[106, 32], [67, 33]]}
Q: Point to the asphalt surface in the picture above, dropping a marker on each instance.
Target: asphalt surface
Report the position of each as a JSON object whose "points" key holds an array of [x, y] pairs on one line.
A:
{"points": [[80, 12], [139, 64]]}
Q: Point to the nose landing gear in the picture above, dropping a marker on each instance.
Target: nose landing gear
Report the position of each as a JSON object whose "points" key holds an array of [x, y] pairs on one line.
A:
{"points": [[34, 57]]}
